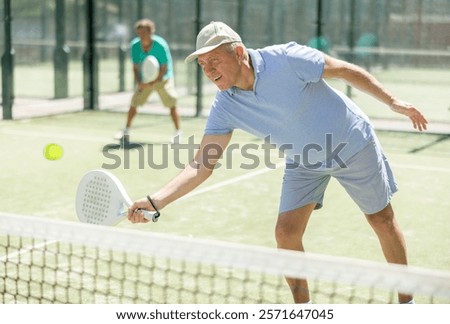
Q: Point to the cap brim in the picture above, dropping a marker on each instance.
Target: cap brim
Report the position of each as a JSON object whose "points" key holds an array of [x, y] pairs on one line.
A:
{"points": [[201, 51]]}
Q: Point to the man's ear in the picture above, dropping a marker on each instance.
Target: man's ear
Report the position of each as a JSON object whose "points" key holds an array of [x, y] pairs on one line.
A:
{"points": [[239, 51]]}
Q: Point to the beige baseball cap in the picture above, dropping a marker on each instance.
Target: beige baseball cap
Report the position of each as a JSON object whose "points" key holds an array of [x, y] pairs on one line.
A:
{"points": [[212, 36]]}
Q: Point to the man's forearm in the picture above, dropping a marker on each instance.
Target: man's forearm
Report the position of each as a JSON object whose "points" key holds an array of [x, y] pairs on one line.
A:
{"points": [[190, 178], [362, 80], [358, 78]]}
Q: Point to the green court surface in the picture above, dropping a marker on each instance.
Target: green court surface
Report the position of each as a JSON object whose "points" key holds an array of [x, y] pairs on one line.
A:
{"points": [[239, 202]]}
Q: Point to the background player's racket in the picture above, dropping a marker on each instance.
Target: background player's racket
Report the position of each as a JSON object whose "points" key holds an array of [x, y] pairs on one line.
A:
{"points": [[102, 199], [149, 69]]}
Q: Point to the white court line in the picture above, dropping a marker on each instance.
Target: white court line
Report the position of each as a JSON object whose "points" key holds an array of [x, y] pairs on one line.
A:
{"points": [[230, 181]]}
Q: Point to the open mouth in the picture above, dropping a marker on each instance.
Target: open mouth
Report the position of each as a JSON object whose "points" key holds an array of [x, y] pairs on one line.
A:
{"points": [[217, 78]]}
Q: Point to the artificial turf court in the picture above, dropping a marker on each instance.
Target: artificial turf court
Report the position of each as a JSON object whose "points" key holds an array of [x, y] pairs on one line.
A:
{"points": [[238, 203]]}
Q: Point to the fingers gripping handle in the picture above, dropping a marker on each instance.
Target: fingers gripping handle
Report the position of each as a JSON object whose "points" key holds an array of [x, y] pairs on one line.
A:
{"points": [[150, 215]]}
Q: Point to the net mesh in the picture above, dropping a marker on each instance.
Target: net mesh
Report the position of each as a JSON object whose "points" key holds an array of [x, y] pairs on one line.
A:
{"points": [[44, 261]]}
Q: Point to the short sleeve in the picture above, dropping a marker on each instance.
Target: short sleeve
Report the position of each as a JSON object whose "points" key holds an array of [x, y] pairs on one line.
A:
{"points": [[135, 51], [161, 51], [218, 122], [308, 63]]}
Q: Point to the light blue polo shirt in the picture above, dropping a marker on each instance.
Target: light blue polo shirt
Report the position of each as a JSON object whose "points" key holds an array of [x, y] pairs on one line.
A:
{"points": [[160, 50], [293, 106]]}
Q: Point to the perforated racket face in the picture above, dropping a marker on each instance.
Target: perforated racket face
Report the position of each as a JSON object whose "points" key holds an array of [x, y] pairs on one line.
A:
{"points": [[149, 69], [101, 199]]}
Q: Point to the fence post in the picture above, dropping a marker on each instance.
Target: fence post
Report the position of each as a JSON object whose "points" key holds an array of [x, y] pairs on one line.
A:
{"points": [[90, 60], [122, 59], [319, 26], [198, 27], [351, 40], [7, 65], [122, 49], [61, 53]]}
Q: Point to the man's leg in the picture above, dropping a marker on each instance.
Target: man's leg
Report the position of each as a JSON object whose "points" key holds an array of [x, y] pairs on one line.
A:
{"points": [[131, 114], [168, 95], [391, 239], [289, 232], [175, 118], [138, 99], [123, 134]]}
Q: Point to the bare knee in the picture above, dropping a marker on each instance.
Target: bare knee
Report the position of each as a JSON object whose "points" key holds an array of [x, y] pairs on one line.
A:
{"points": [[382, 220], [291, 226], [286, 232]]}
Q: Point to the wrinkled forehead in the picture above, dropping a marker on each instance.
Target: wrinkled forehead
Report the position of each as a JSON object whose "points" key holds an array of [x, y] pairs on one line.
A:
{"points": [[221, 51]]}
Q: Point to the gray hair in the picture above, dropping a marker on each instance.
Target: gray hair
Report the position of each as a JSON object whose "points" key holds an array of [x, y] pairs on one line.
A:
{"points": [[231, 47]]}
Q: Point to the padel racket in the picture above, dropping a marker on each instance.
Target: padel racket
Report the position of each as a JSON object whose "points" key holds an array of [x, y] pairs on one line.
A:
{"points": [[102, 200], [149, 69]]}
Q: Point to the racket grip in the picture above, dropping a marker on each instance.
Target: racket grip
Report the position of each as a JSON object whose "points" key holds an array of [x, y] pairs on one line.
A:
{"points": [[151, 216]]}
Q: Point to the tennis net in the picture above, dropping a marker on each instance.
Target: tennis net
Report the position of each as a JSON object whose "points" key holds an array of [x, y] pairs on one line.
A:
{"points": [[46, 261]]}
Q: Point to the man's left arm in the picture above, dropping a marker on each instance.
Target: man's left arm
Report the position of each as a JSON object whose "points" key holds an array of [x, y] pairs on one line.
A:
{"points": [[361, 79], [162, 71]]}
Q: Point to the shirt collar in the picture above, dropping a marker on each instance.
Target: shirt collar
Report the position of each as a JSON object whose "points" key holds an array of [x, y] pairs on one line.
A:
{"points": [[257, 61], [258, 67]]}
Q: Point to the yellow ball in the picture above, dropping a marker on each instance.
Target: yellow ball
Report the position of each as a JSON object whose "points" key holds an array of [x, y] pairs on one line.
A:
{"points": [[53, 152]]}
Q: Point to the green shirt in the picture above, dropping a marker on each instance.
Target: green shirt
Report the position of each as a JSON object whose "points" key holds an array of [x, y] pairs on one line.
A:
{"points": [[160, 50]]}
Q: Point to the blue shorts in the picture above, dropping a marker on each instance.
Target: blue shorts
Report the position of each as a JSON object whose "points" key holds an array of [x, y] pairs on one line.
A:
{"points": [[367, 178]]}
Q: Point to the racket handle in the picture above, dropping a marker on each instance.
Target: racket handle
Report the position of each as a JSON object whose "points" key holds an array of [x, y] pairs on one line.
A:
{"points": [[151, 216]]}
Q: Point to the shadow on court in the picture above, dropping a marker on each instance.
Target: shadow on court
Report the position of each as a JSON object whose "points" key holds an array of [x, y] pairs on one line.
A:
{"points": [[126, 145], [438, 140]]}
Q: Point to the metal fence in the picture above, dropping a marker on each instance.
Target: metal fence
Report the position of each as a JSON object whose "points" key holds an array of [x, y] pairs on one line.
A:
{"points": [[55, 35]]}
